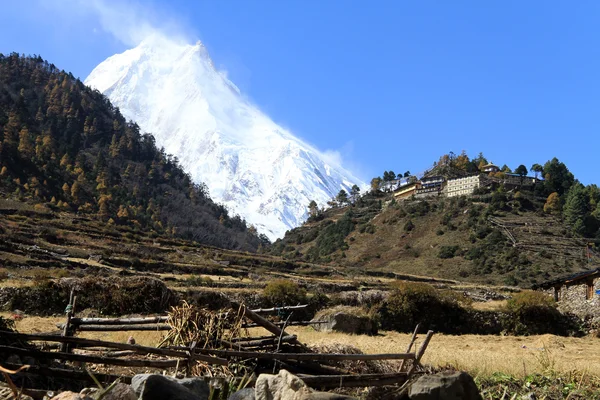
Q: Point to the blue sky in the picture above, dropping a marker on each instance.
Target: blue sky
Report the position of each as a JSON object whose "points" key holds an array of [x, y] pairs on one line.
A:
{"points": [[388, 84]]}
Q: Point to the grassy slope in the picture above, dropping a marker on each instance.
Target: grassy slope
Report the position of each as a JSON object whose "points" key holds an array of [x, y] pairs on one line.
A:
{"points": [[381, 242]]}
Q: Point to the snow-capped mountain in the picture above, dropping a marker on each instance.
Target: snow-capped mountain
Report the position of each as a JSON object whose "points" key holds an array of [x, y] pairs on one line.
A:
{"points": [[256, 168]]}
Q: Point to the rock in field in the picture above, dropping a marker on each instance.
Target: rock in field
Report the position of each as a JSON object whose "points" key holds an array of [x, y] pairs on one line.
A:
{"points": [[285, 386], [347, 320], [160, 387], [444, 386]]}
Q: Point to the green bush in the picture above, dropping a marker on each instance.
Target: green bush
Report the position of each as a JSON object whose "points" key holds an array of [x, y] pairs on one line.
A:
{"points": [[282, 292], [535, 313], [413, 303], [447, 251], [409, 226]]}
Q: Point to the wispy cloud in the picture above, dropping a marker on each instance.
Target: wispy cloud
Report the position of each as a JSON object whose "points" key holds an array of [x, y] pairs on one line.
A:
{"points": [[129, 21]]}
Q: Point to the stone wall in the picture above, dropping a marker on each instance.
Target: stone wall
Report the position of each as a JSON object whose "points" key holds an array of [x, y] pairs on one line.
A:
{"points": [[572, 299]]}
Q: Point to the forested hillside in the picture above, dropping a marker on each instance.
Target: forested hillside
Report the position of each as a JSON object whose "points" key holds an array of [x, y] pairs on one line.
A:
{"points": [[498, 235], [65, 147]]}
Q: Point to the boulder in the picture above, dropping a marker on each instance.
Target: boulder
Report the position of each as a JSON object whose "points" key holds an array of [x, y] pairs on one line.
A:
{"points": [[120, 391], [346, 322], [71, 396], [444, 386], [244, 394], [159, 387], [7, 394], [285, 386]]}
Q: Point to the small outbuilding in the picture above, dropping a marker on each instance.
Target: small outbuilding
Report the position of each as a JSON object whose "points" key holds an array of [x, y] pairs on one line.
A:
{"points": [[577, 293]]}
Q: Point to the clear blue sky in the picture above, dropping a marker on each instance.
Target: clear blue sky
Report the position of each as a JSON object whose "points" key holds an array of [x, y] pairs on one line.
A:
{"points": [[389, 84]]}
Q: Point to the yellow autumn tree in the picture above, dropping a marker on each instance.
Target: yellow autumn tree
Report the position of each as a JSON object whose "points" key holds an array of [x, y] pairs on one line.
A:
{"points": [[75, 191], [66, 189], [122, 212], [552, 205], [103, 210], [26, 147]]}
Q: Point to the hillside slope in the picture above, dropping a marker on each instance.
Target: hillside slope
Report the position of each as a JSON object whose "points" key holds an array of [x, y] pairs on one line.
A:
{"points": [[464, 238], [65, 145]]}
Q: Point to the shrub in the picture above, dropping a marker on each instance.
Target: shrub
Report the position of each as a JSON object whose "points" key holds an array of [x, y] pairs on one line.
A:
{"points": [[413, 303], [199, 281], [282, 292], [534, 313], [447, 251], [409, 226]]}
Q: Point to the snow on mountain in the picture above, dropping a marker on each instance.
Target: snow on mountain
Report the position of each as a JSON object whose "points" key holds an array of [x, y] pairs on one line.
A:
{"points": [[256, 168]]}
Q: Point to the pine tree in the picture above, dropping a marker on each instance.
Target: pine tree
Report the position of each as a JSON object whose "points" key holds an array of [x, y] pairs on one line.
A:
{"points": [[342, 197], [575, 208], [537, 169], [354, 192], [313, 208]]}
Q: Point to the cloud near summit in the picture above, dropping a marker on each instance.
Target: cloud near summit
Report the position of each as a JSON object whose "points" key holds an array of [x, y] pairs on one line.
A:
{"points": [[130, 22]]}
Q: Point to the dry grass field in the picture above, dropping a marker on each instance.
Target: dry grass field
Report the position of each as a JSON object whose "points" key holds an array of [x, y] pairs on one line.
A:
{"points": [[515, 355]]}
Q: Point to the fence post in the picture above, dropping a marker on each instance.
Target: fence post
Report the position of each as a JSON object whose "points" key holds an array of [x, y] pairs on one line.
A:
{"points": [[67, 328]]}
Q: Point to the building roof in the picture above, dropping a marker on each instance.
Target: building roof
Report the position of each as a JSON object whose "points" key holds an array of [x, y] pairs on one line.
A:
{"points": [[490, 165], [569, 279]]}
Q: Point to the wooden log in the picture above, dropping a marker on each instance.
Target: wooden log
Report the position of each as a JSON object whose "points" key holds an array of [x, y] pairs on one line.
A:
{"points": [[265, 323], [410, 345], [118, 353], [69, 374], [334, 381], [252, 338], [291, 323], [304, 356], [269, 342], [112, 345], [113, 328], [89, 359], [67, 327], [420, 353], [423, 347], [118, 321], [285, 308]]}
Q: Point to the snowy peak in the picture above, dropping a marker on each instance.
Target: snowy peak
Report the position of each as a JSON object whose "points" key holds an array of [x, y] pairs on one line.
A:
{"points": [[249, 163]]}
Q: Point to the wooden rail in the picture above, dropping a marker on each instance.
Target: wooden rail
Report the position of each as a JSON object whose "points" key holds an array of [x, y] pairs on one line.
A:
{"points": [[112, 345]]}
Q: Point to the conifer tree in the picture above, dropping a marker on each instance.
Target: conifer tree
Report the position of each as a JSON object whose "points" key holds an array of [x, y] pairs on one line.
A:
{"points": [[575, 208]]}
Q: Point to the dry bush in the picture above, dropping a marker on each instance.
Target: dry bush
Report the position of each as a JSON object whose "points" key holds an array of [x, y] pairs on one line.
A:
{"points": [[357, 367], [356, 311], [208, 329], [282, 292]]}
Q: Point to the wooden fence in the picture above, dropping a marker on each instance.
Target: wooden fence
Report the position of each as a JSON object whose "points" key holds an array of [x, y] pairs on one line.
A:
{"points": [[312, 367]]}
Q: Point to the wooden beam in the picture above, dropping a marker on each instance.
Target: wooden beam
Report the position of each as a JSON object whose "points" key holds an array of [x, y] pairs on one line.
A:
{"points": [[69, 374], [291, 323], [112, 345], [89, 359], [265, 323], [285, 308], [334, 381], [118, 321], [124, 328], [304, 356]]}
